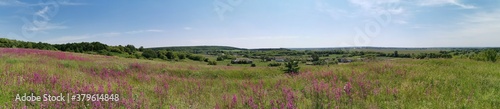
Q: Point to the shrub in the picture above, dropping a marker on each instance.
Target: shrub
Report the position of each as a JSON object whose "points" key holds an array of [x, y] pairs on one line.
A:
{"points": [[274, 64], [212, 63], [253, 65], [181, 56], [241, 62], [487, 55], [220, 59], [149, 54], [319, 63], [292, 67], [195, 57]]}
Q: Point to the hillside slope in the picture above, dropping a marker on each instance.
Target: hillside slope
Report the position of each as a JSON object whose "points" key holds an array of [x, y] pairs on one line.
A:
{"points": [[403, 83], [199, 48]]}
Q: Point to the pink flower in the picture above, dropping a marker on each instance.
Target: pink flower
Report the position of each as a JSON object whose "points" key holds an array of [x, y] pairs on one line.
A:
{"points": [[37, 78], [347, 88], [235, 101]]}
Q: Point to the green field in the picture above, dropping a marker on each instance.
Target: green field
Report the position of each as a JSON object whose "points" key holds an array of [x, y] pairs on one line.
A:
{"points": [[394, 83]]}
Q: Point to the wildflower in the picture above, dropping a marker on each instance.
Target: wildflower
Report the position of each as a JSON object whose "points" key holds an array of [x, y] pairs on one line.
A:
{"points": [[347, 88], [37, 78], [235, 101]]}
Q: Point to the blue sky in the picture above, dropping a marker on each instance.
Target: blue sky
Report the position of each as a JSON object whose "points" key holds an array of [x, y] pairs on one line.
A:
{"points": [[256, 23]]}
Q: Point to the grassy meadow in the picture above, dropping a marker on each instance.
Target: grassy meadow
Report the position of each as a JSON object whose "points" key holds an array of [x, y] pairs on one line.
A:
{"points": [[394, 83]]}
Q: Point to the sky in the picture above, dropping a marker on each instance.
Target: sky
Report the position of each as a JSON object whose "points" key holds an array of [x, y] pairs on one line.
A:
{"points": [[255, 23]]}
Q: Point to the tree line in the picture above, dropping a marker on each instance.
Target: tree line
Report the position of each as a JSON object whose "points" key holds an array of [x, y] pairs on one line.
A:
{"points": [[128, 51]]}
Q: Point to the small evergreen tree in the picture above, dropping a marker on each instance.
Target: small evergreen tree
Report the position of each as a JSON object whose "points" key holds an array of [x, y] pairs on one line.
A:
{"points": [[141, 48], [253, 65], [292, 67]]}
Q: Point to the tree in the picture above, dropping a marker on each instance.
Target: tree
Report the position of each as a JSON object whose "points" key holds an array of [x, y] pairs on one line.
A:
{"points": [[315, 57], [170, 55], [220, 58], [489, 55], [130, 49], [292, 67], [149, 54], [181, 56], [141, 48], [162, 54], [29, 45], [396, 54]]}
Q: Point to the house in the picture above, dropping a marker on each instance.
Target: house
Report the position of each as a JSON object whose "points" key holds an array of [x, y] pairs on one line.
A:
{"points": [[279, 59], [344, 60], [241, 61]]}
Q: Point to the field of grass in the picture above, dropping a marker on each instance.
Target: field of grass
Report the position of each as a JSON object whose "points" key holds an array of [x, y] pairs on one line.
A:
{"points": [[402, 51], [396, 83]]}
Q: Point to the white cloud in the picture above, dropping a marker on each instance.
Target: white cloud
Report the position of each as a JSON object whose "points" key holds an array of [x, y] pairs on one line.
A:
{"points": [[43, 24], [57, 2], [370, 4], [445, 2], [65, 39], [143, 31], [323, 6], [398, 10], [401, 22], [11, 3], [376, 6], [43, 13], [264, 41], [480, 29], [70, 3], [484, 23]]}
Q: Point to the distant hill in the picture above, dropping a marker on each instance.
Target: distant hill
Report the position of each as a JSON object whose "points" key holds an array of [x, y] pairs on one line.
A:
{"points": [[270, 49], [200, 48], [390, 48]]}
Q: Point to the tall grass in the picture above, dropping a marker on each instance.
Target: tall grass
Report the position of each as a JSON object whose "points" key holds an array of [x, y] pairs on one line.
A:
{"points": [[404, 83]]}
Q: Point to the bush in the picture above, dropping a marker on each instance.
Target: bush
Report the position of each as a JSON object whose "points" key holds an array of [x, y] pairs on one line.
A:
{"points": [[212, 63], [181, 56], [487, 55], [241, 62], [292, 67], [137, 55], [195, 57], [149, 54], [319, 63], [274, 64], [253, 65], [220, 59]]}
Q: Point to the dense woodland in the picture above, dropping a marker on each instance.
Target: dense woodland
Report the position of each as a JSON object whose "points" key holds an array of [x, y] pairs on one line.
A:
{"points": [[198, 53]]}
